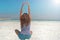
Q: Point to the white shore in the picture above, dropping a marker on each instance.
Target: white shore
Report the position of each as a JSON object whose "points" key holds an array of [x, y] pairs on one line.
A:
{"points": [[42, 30]]}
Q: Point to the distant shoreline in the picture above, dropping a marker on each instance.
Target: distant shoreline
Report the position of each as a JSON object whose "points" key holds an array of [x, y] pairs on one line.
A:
{"points": [[31, 20]]}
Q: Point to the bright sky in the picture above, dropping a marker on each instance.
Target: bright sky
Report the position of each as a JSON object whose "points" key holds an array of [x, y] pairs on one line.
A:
{"points": [[40, 9]]}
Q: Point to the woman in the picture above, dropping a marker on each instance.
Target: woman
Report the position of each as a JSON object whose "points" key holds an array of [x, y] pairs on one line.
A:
{"points": [[25, 20]]}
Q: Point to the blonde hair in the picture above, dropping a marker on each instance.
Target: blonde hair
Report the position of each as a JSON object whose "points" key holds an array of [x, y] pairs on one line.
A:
{"points": [[24, 20]]}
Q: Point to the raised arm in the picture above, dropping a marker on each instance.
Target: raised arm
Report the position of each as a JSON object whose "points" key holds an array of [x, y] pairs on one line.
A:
{"points": [[21, 10], [29, 10]]}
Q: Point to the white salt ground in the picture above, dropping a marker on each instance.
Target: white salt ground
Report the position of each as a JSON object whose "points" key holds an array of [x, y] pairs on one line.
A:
{"points": [[42, 30]]}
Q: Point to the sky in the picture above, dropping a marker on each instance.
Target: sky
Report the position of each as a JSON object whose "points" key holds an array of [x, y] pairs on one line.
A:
{"points": [[40, 9]]}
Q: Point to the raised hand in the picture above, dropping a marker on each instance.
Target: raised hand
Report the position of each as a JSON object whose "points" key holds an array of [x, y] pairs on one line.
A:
{"points": [[23, 4]]}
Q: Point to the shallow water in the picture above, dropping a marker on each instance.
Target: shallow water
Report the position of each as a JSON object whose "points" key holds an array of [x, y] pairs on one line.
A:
{"points": [[42, 30]]}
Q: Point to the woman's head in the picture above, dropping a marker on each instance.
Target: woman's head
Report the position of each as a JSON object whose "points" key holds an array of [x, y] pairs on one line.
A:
{"points": [[25, 15], [25, 19]]}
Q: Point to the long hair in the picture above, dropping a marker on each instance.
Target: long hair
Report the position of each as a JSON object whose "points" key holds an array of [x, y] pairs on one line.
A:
{"points": [[25, 20]]}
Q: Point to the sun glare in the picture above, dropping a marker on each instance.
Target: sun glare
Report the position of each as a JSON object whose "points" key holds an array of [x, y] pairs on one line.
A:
{"points": [[56, 2]]}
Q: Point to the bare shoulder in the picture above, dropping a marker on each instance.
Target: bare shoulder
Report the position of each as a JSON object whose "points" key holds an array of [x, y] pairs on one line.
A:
{"points": [[20, 16], [29, 16]]}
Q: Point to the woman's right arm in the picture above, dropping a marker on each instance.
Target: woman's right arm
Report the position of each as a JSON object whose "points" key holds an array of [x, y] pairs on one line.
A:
{"points": [[29, 10]]}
